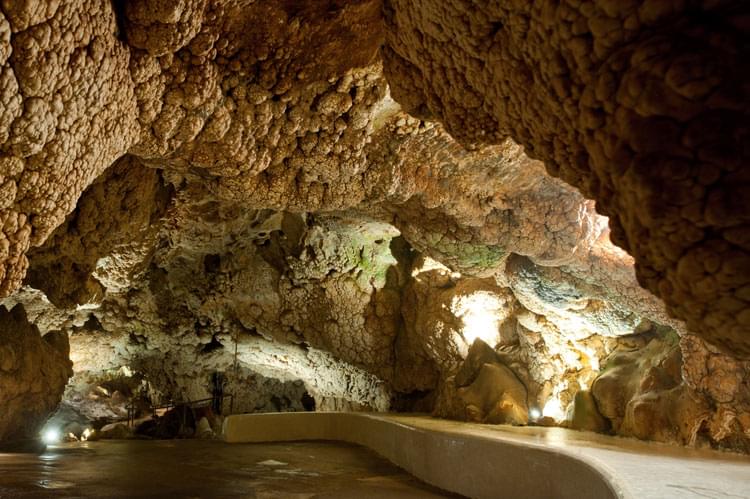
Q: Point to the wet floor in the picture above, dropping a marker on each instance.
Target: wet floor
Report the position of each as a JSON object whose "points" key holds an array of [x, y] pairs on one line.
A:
{"points": [[205, 468]]}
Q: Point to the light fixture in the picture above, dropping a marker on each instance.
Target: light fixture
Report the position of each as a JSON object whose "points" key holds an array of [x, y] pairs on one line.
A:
{"points": [[481, 313], [554, 409], [51, 436]]}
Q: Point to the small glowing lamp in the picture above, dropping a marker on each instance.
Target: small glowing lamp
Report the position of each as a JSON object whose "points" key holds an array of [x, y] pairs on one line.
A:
{"points": [[51, 436]]}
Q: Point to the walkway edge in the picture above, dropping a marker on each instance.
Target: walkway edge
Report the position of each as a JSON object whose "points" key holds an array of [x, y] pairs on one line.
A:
{"points": [[480, 466]]}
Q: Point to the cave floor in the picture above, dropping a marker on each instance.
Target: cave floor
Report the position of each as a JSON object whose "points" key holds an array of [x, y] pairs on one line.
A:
{"points": [[647, 469], [206, 468]]}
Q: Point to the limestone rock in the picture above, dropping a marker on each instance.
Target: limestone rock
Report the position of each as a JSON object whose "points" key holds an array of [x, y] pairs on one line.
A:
{"points": [[107, 238], [273, 192], [651, 391], [115, 431], [495, 396], [69, 110], [480, 353], [33, 373], [641, 108], [586, 414], [484, 390]]}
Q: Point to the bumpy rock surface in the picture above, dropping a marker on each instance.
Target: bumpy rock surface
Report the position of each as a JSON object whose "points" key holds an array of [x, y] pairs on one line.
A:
{"points": [[671, 389], [643, 105], [116, 219], [186, 83], [203, 188], [33, 373], [68, 111]]}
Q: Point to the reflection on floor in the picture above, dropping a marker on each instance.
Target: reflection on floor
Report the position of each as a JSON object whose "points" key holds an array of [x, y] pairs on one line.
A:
{"points": [[200, 468]]}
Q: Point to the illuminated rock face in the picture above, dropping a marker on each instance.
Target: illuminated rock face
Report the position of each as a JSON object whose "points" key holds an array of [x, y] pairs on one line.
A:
{"points": [[486, 390], [219, 89], [205, 187], [662, 387], [642, 105], [342, 311]]}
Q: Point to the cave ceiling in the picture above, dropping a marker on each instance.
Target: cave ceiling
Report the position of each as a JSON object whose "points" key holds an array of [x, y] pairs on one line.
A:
{"points": [[339, 197]]}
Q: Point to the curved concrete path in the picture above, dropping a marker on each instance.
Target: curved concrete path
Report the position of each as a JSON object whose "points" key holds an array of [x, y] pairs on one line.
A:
{"points": [[514, 462]]}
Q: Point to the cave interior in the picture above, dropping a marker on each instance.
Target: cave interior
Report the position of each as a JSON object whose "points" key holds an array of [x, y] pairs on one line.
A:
{"points": [[528, 216]]}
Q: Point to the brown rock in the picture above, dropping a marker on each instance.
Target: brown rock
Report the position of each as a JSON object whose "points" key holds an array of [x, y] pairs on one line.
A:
{"points": [[496, 396], [33, 373], [586, 415], [651, 123]]}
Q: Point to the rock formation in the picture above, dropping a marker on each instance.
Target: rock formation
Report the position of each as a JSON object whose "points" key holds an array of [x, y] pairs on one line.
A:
{"points": [[33, 373], [334, 205], [640, 104]]}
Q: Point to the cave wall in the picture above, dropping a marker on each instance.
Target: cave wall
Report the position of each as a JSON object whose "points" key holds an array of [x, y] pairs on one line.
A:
{"points": [[349, 194], [642, 105], [34, 370], [280, 115], [340, 308]]}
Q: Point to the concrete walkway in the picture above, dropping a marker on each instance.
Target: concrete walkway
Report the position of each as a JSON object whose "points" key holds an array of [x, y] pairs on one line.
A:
{"points": [[644, 469], [500, 461]]}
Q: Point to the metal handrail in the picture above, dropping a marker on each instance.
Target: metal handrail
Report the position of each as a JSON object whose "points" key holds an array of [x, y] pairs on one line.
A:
{"points": [[192, 404]]}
